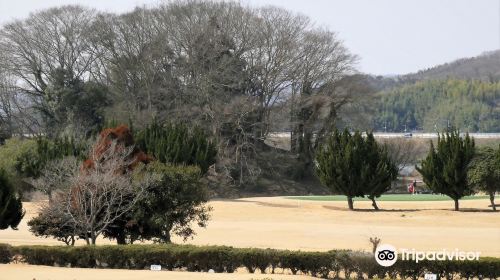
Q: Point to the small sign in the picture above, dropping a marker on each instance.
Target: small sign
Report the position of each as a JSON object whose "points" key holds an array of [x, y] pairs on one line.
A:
{"points": [[156, 267], [430, 276]]}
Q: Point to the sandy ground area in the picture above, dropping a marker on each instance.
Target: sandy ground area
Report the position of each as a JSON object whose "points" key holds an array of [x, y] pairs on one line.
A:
{"points": [[275, 222], [32, 272], [282, 223]]}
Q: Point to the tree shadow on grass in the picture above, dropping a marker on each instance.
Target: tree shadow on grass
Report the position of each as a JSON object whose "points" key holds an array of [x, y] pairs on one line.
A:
{"points": [[261, 203], [371, 210], [464, 210], [474, 210]]}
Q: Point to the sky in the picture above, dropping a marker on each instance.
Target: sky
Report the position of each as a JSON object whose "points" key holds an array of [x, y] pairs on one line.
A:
{"points": [[390, 36]]}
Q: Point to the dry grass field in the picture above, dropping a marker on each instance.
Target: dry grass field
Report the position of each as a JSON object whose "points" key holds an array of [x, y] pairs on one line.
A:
{"points": [[275, 222]]}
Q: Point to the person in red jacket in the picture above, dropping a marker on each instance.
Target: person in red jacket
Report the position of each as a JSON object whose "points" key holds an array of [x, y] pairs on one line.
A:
{"points": [[411, 188]]}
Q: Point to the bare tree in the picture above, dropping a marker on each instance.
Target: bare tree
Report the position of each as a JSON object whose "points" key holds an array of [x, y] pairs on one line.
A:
{"points": [[274, 59], [17, 115], [322, 87], [403, 152], [7, 95], [137, 61], [47, 43], [56, 175], [107, 191]]}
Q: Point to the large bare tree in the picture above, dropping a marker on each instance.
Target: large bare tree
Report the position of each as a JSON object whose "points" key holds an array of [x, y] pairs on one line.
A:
{"points": [[56, 175], [50, 42]]}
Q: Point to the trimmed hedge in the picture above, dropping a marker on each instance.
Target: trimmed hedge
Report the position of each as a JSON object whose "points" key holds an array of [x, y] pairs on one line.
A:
{"points": [[331, 264]]}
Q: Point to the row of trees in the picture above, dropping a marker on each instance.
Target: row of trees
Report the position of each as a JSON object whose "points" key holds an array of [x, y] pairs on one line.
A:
{"points": [[356, 166]]}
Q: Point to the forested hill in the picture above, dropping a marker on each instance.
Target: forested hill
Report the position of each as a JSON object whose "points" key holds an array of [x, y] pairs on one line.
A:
{"points": [[429, 105], [485, 67], [463, 94]]}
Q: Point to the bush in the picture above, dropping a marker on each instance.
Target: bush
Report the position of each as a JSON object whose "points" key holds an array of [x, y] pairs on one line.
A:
{"points": [[11, 207], [172, 206], [177, 144], [11, 150], [228, 259], [30, 162], [5, 253]]}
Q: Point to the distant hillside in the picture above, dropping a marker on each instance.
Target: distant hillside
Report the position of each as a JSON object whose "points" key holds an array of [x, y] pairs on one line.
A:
{"points": [[429, 105], [464, 93], [485, 67]]}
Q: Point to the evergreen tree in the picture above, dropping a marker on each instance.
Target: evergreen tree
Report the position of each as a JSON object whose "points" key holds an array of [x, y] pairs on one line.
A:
{"points": [[176, 144], [31, 162], [11, 208], [444, 170], [171, 207], [355, 166], [72, 104], [381, 171], [484, 172]]}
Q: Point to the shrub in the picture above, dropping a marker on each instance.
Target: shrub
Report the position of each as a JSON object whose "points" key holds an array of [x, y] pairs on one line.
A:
{"points": [[5, 253], [11, 207], [253, 259], [177, 144], [170, 206], [11, 150]]}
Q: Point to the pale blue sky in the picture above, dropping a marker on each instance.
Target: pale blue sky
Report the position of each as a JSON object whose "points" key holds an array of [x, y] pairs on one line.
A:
{"points": [[390, 36]]}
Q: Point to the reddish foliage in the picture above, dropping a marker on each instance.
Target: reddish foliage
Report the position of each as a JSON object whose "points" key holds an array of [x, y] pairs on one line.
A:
{"points": [[123, 138], [121, 134]]}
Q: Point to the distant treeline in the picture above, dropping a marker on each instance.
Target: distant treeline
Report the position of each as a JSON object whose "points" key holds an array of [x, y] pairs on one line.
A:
{"points": [[435, 105]]}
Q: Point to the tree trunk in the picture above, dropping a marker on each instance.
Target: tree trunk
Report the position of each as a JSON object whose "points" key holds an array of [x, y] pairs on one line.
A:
{"points": [[293, 141], [121, 238], [492, 200], [374, 203], [456, 205], [166, 237], [350, 203], [93, 237]]}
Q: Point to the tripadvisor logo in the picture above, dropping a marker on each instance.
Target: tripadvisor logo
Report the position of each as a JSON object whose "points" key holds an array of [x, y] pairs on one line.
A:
{"points": [[387, 255]]}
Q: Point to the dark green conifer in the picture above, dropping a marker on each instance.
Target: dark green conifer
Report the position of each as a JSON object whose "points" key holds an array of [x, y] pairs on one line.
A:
{"points": [[11, 208], [354, 166], [444, 170]]}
